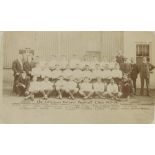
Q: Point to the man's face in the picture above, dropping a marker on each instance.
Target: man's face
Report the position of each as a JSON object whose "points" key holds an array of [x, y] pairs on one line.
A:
{"points": [[112, 81], [106, 66], [98, 79], [86, 79], [77, 66], [20, 57], [144, 59], [67, 67], [60, 78], [24, 75], [87, 67], [57, 67], [34, 78], [97, 66], [46, 79]]}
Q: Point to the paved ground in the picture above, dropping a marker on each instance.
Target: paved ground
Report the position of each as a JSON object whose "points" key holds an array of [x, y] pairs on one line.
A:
{"points": [[136, 110]]}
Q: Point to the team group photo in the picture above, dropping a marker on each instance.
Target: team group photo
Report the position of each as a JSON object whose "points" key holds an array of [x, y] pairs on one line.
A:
{"points": [[78, 76], [73, 78]]}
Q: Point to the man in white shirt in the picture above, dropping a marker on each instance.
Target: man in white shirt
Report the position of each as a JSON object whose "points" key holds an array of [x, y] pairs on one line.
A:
{"points": [[113, 64], [77, 74], [55, 74], [46, 87], [86, 88], [103, 62], [112, 90], [106, 74], [60, 86], [34, 87], [117, 74], [94, 62], [45, 72], [71, 87], [67, 72], [97, 72], [84, 62], [99, 87], [87, 72]]}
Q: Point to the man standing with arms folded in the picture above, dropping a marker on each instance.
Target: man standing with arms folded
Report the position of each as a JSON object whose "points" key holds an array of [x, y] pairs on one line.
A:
{"points": [[144, 71]]}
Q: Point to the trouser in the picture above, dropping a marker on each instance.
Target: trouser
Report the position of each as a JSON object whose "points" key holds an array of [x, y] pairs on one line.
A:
{"points": [[21, 90], [134, 84], [143, 79], [14, 83], [126, 89]]}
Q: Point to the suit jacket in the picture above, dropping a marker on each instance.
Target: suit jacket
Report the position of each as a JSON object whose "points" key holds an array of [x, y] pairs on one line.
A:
{"points": [[144, 70], [134, 71], [17, 67], [27, 67], [126, 68]]}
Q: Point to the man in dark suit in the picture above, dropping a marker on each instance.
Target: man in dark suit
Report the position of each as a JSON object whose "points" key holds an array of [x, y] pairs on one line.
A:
{"points": [[125, 67], [17, 67], [27, 66], [134, 73], [144, 71]]}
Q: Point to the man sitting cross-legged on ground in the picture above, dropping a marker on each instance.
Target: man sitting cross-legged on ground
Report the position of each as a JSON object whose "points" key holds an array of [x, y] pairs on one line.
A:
{"points": [[112, 90], [34, 87], [23, 83], [60, 86], [46, 87], [99, 87], [86, 88], [71, 87]]}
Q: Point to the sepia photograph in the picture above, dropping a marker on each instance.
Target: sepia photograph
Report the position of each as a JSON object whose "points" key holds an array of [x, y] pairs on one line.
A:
{"points": [[78, 77]]}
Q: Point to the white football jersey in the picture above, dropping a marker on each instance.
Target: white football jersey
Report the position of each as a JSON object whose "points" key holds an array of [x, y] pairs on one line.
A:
{"points": [[34, 86], [86, 86], [55, 74], [116, 73], [46, 85], [99, 86], [112, 88], [36, 72], [67, 73], [107, 74]]}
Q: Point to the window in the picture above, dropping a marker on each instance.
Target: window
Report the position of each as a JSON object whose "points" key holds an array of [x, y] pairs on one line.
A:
{"points": [[142, 50]]}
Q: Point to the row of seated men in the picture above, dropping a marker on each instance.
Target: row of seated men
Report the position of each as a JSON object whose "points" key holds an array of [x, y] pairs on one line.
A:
{"points": [[84, 85]]}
